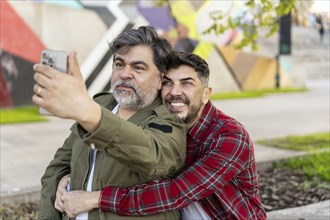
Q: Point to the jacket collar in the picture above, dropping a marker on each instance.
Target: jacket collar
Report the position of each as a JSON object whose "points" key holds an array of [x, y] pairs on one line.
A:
{"points": [[110, 102], [149, 110]]}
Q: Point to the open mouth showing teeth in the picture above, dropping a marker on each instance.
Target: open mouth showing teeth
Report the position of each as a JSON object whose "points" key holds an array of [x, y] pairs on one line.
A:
{"points": [[177, 104]]}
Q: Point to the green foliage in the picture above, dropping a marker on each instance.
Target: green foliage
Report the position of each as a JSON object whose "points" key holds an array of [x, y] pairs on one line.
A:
{"points": [[235, 95], [302, 143], [266, 14], [315, 165], [20, 115]]}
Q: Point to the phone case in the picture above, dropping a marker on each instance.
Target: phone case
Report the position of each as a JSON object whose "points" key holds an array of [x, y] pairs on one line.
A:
{"points": [[56, 59]]}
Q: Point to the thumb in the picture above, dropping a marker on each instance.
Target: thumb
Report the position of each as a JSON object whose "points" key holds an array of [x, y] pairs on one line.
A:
{"points": [[74, 68]]}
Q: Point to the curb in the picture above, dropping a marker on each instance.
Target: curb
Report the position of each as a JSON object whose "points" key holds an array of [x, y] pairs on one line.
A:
{"points": [[26, 195]]}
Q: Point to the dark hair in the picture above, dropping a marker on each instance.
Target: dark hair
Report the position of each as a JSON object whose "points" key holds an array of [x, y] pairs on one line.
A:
{"points": [[148, 36], [178, 58]]}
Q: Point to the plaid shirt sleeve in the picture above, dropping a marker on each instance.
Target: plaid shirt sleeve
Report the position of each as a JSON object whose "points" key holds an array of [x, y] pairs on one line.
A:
{"points": [[227, 154]]}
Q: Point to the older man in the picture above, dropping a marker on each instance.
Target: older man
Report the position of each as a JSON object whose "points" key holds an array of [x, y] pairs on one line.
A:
{"points": [[119, 140]]}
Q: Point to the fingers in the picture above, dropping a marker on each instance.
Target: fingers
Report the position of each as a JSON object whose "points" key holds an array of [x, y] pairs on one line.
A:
{"points": [[38, 100], [61, 190], [74, 68], [43, 77], [40, 79], [59, 205], [45, 70], [68, 205], [37, 89], [64, 181]]}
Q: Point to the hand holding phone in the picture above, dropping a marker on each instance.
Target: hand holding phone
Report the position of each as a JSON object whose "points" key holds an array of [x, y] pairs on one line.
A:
{"points": [[57, 60], [65, 95]]}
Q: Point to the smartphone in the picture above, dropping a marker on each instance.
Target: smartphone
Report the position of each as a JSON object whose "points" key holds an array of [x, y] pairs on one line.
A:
{"points": [[56, 59]]}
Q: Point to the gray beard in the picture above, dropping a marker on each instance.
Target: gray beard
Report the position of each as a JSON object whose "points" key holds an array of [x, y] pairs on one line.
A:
{"points": [[138, 99]]}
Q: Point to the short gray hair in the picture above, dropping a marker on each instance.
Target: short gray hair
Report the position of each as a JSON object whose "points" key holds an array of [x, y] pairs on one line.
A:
{"points": [[148, 36]]}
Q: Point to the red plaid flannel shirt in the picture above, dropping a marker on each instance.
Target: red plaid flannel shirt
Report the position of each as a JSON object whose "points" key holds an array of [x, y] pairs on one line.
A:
{"points": [[220, 173]]}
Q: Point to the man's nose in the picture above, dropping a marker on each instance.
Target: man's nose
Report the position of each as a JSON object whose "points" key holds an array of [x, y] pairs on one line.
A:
{"points": [[126, 72], [176, 90]]}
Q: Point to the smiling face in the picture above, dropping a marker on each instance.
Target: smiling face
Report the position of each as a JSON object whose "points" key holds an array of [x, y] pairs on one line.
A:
{"points": [[183, 93], [135, 78]]}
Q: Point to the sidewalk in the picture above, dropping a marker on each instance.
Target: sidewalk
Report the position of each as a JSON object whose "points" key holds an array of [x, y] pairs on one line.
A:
{"points": [[316, 211], [26, 149]]}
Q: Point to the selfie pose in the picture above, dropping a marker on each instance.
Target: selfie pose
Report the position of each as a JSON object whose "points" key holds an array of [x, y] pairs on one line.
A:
{"points": [[119, 139], [220, 178]]}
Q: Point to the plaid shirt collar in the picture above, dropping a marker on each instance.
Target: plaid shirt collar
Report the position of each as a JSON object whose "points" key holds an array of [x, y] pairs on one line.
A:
{"points": [[198, 130]]}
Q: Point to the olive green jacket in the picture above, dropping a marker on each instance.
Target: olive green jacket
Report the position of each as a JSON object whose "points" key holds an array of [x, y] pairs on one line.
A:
{"points": [[150, 145]]}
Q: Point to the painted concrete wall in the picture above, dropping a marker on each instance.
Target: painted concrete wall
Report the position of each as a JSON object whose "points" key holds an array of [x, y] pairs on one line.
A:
{"points": [[27, 27], [62, 28]]}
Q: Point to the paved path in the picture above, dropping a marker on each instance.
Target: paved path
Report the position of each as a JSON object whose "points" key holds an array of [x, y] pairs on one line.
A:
{"points": [[26, 149], [283, 114], [317, 211]]}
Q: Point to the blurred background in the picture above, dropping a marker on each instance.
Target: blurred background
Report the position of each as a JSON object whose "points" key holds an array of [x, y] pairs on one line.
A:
{"points": [[231, 35], [297, 51]]}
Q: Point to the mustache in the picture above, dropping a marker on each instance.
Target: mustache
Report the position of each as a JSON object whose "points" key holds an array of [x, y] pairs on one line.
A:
{"points": [[125, 83], [181, 98]]}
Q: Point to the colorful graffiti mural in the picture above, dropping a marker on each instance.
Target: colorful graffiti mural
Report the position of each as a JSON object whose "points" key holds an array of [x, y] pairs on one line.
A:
{"points": [[27, 27], [19, 50]]}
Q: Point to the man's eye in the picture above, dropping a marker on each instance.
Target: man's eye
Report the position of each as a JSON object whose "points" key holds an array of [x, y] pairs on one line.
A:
{"points": [[187, 83], [118, 64], [166, 83], [139, 68]]}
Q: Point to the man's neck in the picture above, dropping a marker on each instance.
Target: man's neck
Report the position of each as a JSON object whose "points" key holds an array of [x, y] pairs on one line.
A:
{"points": [[189, 125], [199, 113]]}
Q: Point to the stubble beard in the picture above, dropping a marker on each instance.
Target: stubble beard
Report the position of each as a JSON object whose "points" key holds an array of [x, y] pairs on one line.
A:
{"points": [[193, 110], [192, 114]]}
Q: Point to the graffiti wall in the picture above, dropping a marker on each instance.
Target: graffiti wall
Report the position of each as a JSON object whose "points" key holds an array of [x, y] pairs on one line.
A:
{"points": [[28, 27]]}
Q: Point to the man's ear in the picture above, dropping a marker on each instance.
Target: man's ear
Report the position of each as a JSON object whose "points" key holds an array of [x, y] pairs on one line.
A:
{"points": [[160, 81], [206, 95]]}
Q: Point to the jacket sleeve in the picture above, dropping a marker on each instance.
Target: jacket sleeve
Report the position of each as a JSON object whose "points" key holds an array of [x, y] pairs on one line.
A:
{"points": [[57, 168], [155, 149]]}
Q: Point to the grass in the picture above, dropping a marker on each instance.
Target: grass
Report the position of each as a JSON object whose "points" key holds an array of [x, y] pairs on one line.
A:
{"points": [[301, 143], [253, 94], [315, 165], [25, 114], [236, 95]]}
